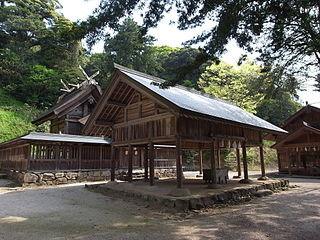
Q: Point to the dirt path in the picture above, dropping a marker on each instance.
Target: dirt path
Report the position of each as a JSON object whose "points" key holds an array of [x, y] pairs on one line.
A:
{"points": [[74, 213]]}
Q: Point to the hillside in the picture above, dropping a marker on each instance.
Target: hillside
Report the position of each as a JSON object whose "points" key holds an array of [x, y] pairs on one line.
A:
{"points": [[15, 117]]}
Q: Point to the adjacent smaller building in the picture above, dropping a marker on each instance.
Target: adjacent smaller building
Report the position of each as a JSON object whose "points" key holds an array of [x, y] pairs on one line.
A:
{"points": [[72, 110], [299, 150]]}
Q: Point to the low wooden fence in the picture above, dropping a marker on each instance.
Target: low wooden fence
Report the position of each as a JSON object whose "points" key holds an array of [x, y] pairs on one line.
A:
{"points": [[40, 157], [14, 158], [58, 157]]}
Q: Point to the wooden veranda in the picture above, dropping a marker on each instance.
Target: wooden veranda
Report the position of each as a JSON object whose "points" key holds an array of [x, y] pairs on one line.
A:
{"points": [[136, 113]]}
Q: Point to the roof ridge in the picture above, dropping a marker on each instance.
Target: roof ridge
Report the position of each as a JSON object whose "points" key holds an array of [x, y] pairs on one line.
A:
{"points": [[160, 80]]}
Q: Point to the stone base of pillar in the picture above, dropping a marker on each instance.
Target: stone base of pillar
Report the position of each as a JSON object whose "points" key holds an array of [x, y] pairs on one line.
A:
{"points": [[262, 178], [246, 181]]}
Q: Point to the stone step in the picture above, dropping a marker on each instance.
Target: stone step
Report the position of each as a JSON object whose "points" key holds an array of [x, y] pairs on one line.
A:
{"points": [[3, 176]]}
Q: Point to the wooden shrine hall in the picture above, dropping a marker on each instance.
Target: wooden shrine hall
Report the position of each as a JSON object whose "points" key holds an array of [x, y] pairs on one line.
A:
{"points": [[299, 150], [136, 113]]}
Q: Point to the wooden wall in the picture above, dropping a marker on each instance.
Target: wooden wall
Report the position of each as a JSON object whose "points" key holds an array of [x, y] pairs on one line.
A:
{"points": [[142, 119], [200, 129], [14, 158], [57, 125], [302, 163]]}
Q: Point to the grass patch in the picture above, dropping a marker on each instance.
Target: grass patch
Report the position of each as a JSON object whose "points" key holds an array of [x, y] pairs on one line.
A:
{"points": [[15, 117]]}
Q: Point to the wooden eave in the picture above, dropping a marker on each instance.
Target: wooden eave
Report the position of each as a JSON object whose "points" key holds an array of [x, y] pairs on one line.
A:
{"points": [[225, 121], [117, 78], [305, 128], [69, 105], [299, 113]]}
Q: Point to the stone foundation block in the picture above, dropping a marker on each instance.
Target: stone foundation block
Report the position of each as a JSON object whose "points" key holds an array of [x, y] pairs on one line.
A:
{"points": [[48, 177], [30, 178], [59, 175], [182, 204]]}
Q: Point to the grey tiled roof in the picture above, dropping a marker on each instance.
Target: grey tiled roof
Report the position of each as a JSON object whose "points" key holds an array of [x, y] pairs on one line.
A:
{"points": [[200, 103], [54, 137]]}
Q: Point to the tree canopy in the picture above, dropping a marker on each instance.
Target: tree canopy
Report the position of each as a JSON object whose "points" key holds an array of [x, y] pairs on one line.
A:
{"points": [[36, 39], [128, 47], [252, 88], [287, 31]]}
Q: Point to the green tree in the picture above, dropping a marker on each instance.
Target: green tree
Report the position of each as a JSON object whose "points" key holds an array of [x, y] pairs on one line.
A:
{"points": [[127, 47], [233, 84], [40, 86], [183, 66], [277, 110], [33, 34], [268, 91]]}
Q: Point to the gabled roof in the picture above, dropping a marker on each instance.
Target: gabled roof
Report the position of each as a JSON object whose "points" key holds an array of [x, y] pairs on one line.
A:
{"points": [[190, 102], [69, 102], [53, 137], [299, 113], [296, 134]]}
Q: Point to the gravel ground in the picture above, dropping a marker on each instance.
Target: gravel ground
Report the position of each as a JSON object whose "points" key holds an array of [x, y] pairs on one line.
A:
{"points": [[72, 212]]}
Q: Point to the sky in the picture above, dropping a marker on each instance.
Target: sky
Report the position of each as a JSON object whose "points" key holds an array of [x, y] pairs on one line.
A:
{"points": [[167, 34]]}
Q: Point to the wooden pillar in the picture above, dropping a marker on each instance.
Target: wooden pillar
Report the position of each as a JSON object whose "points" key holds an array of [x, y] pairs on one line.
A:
{"points": [[279, 160], [289, 162], [145, 163], [213, 167], [113, 163], [218, 156], [238, 162], [245, 164], [263, 169], [140, 153], [179, 162], [100, 157], [200, 162], [130, 163], [151, 163], [28, 156]]}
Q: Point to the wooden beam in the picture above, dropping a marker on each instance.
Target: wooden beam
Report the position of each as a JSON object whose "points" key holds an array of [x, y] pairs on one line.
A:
{"points": [[238, 162], [145, 163], [213, 166], [113, 164], [162, 139], [179, 162], [263, 168], [115, 103], [245, 161], [151, 163], [200, 162], [130, 163], [103, 123], [145, 119], [279, 161], [218, 136], [289, 163], [218, 155]]}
